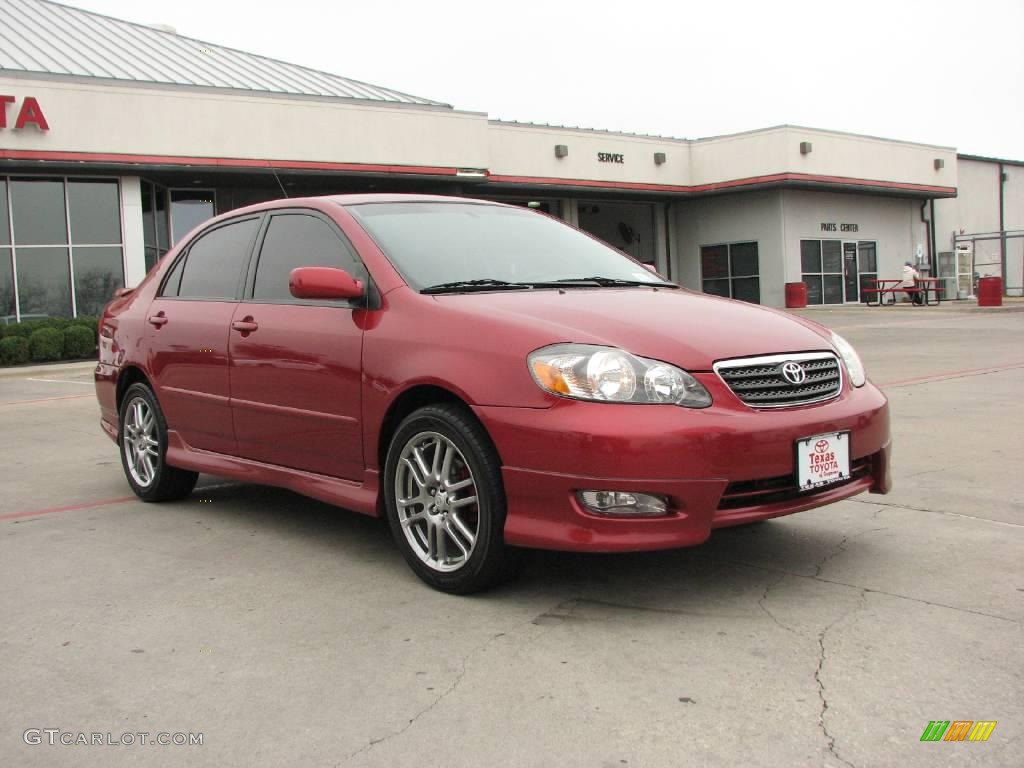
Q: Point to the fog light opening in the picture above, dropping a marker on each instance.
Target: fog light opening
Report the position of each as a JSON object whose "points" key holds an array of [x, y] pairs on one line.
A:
{"points": [[623, 503]]}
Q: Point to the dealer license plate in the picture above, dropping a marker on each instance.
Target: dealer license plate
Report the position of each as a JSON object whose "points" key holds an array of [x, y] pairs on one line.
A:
{"points": [[823, 460]]}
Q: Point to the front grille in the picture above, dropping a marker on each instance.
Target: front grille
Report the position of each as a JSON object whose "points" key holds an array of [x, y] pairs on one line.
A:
{"points": [[759, 381], [770, 490]]}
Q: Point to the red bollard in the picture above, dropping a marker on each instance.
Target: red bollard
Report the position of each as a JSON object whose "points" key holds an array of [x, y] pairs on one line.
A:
{"points": [[796, 295], [990, 292]]}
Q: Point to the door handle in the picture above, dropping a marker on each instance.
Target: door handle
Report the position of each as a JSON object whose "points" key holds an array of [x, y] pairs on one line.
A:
{"points": [[248, 325], [158, 319]]}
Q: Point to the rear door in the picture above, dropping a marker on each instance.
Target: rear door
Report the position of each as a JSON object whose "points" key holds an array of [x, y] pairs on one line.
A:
{"points": [[187, 333], [295, 365]]}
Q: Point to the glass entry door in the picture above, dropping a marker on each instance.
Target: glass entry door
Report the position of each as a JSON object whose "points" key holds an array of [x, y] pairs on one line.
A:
{"points": [[850, 279], [835, 271]]}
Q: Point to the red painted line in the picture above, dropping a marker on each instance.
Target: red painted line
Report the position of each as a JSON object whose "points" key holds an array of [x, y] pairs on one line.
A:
{"points": [[46, 399], [68, 508], [950, 375]]}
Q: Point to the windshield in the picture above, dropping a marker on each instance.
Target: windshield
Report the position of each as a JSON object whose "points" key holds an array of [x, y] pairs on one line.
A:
{"points": [[436, 244]]}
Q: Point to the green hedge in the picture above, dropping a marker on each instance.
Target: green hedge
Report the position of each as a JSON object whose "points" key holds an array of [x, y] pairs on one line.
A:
{"points": [[79, 341], [46, 345], [13, 350], [64, 340]]}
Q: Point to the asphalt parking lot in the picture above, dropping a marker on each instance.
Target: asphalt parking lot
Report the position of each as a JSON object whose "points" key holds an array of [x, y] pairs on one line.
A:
{"points": [[287, 632]]}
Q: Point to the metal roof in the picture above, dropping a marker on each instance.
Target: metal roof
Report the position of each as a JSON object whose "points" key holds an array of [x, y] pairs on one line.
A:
{"points": [[38, 36]]}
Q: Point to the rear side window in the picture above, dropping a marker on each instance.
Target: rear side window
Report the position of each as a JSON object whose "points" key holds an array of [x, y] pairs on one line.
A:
{"points": [[214, 263], [299, 240]]}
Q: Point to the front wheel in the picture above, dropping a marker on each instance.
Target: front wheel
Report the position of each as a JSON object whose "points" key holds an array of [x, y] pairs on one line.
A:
{"points": [[446, 502], [143, 443]]}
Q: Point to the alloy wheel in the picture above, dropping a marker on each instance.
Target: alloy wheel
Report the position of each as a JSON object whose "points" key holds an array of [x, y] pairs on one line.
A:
{"points": [[436, 496], [141, 445]]}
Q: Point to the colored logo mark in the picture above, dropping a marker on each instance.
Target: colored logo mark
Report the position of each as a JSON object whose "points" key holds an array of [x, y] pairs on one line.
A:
{"points": [[958, 730]]}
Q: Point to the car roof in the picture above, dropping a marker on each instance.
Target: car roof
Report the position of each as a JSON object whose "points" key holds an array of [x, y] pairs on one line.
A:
{"points": [[356, 199]]}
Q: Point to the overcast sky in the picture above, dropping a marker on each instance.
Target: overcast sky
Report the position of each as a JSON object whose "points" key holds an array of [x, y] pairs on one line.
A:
{"points": [[937, 71]]}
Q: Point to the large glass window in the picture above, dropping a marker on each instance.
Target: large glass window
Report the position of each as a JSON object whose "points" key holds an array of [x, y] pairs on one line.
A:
{"points": [[98, 273], [213, 265], [821, 262], [38, 212], [731, 270], [44, 282], [189, 209], [298, 240], [48, 216]]}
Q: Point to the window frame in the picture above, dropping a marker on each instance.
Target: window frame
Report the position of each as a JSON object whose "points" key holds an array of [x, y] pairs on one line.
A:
{"points": [[182, 258], [257, 254], [730, 278]]}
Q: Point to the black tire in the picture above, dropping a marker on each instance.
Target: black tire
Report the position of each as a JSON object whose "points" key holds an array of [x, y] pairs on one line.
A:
{"points": [[490, 560], [166, 483]]}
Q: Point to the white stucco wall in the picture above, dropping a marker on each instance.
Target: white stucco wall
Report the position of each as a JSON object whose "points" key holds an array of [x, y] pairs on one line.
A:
{"points": [[755, 216]]}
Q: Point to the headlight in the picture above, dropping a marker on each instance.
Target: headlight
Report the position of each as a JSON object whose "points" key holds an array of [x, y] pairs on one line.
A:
{"points": [[606, 374], [852, 360]]}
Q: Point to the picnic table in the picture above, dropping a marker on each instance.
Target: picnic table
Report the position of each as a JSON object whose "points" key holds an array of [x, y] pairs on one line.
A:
{"points": [[879, 288]]}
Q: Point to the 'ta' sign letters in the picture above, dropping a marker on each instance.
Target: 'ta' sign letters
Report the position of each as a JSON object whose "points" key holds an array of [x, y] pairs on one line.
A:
{"points": [[30, 113]]}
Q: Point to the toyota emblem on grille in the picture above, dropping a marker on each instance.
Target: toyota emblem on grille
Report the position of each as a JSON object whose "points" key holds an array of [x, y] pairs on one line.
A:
{"points": [[794, 373]]}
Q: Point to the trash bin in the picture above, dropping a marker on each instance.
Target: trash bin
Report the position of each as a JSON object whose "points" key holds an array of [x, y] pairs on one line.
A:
{"points": [[990, 292], [796, 295]]}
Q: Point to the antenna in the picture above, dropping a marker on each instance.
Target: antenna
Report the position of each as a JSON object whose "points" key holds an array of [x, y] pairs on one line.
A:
{"points": [[283, 190]]}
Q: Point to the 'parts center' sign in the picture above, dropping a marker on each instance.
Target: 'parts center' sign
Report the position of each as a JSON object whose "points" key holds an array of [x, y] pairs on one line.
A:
{"points": [[29, 113]]}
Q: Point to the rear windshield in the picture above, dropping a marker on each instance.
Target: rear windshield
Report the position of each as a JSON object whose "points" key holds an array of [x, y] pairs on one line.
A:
{"points": [[432, 243]]}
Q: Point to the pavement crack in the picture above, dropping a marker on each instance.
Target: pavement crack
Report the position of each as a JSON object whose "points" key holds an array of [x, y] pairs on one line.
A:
{"points": [[890, 505], [761, 603], [373, 743], [840, 547], [830, 737], [871, 590]]}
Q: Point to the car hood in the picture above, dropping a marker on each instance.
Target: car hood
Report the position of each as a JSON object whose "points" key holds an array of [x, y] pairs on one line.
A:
{"points": [[689, 329]]}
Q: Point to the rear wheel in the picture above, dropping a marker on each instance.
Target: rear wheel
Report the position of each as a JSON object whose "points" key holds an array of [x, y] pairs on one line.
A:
{"points": [[143, 442], [445, 500]]}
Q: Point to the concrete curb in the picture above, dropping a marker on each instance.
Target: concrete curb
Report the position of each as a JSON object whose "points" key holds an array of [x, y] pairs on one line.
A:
{"points": [[36, 370]]}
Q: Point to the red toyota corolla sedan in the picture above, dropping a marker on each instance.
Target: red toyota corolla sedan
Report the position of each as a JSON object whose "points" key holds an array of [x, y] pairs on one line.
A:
{"points": [[485, 376]]}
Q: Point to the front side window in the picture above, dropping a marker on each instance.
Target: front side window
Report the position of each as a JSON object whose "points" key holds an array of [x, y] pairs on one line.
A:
{"points": [[298, 240], [212, 268], [731, 270], [437, 243]]}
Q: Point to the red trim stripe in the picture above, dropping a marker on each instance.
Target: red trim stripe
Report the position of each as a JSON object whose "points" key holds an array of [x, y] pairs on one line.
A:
{"points": [[223, 162], [68, 508], [752, 180], [434, 170]]}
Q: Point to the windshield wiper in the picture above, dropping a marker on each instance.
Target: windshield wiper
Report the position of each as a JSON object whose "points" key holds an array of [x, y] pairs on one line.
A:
{"points": [[481, 284], [606, 282]]}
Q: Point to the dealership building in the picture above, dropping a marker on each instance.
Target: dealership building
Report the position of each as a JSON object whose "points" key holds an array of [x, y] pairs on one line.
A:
{"points": [[116, 139]]}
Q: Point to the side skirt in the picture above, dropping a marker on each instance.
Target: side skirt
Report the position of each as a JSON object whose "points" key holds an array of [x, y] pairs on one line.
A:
{"points": [[359, 497]]}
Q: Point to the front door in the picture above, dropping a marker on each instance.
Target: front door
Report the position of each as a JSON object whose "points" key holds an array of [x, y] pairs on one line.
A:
{"points": [[187, 335], [296, 364], [851, 282]]}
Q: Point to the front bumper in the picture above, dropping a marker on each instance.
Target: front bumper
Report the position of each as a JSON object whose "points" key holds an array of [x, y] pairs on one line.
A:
{"points": [[705, 461]]}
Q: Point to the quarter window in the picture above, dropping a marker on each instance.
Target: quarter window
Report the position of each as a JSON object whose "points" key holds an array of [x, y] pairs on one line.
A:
{"points": [[731, 270], [299, 240], [214, 262]]}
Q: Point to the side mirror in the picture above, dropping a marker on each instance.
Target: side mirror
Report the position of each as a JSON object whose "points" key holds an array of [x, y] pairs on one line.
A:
{"points": [[323, 283]]}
